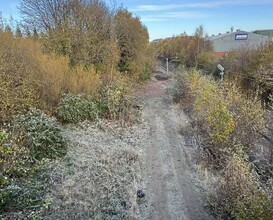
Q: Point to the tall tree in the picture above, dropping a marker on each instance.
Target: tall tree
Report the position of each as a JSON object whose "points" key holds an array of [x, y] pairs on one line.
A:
{"points": [[133, 40], [89, 33], [44, 14], [80, 29]]}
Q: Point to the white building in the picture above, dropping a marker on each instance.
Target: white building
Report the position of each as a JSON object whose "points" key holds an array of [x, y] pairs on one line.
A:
{"points": [[230, 41]]}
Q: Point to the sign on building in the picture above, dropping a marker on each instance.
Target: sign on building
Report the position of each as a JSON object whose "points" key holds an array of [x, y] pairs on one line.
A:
{"points": [[241, 36]]}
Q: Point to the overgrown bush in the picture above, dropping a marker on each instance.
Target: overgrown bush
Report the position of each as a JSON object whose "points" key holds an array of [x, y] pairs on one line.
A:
{"points": [[251, 69], [29, 78], [228, 124], [228, 117], [115, 101], [58, 77], [76, 108], [239, 194], [206, 61], [211, 111], [17, 79], [43, 135]]}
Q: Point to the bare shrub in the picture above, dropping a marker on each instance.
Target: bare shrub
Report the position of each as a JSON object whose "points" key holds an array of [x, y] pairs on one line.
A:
{"points": [[248, 116], [181, 90]]}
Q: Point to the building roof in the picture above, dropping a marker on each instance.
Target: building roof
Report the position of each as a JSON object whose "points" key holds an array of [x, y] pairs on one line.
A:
{"points": [[215, 37]]}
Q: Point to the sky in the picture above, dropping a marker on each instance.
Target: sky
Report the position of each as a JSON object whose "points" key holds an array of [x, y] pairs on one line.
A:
{"points": [[166, 18]]}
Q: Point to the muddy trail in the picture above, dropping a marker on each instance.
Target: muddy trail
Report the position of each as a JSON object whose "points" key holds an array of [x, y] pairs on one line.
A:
{"points": [[172, 190]]}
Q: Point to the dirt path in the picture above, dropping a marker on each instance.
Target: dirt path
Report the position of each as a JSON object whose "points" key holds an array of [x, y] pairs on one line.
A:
{"points": [[171, 188], [106, 164]]}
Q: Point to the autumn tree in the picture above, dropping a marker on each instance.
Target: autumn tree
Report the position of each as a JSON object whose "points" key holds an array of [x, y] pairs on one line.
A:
{"points": [[133, 40], [79, 29], [44, 15], [91, 34], [191, 51]]}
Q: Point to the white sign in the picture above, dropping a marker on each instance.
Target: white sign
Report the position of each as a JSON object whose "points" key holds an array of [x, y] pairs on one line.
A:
{"points": [[220, 67], [241, 36]]}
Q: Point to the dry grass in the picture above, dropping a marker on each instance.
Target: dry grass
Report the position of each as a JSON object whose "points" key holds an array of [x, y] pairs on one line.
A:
{"points": [[97, 179]]}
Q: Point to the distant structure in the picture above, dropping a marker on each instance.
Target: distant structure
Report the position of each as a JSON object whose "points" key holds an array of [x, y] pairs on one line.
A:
{"points": [[156, 40], [223, 43]]}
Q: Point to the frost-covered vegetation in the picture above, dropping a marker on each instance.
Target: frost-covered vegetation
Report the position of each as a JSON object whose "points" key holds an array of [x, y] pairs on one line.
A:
{"points": [[56, 67]]}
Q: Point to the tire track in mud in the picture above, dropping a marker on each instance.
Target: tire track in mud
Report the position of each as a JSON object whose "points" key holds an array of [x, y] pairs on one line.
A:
{"points": [[171, 189]]}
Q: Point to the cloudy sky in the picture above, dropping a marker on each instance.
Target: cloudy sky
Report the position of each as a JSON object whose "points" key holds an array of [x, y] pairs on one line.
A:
{"points": [[165, 18]]}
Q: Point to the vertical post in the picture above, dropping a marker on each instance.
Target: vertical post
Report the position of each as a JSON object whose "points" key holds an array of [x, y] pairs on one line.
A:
{"points": [[222, 75], [167, 65]]}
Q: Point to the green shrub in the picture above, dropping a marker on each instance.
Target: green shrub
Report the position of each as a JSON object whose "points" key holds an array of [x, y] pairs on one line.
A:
{"points": [[23, 182], [43, 135], [24, 198], [13, 152], [76, 108]]}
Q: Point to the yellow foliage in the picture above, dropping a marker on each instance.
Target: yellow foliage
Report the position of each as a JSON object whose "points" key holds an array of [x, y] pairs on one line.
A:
{"points": [[185, 50], [29, 78], [226, 113], [58, 77], [195, 81], [211, 108], [80, 80], [221, 125], [16, 78]]}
